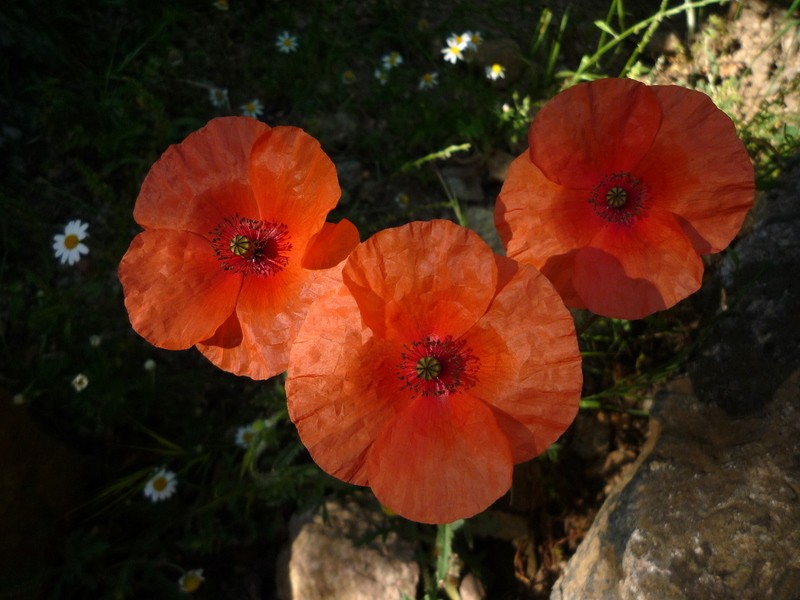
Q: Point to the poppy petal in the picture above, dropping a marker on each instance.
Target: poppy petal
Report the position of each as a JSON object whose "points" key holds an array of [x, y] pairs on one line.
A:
{"points": [[202, 180], [331, 245], [341, 386], [633, 271], [421, 279], [228, 335], [559, 269], [294, 182], [537, 219], [593, 129], [699, 169], [538, 385], [270, 311], [440, 460], [175, 291]]}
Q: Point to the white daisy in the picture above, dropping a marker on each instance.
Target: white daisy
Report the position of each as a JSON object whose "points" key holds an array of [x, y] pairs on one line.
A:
{"points": [[459, 41], [495, 72], [244, 435], [428, 80], [391, 60], [161, 485], [79, 382], [254, 108], [348, 77], [218, 96], [191, 580], [382, 75], [286, 42], [68, 246], [475, 39], [402, 200], [453, 53]]}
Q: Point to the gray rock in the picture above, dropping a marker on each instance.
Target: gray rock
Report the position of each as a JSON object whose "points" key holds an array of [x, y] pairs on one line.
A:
{"points": [[712, 511], [329, 557]]}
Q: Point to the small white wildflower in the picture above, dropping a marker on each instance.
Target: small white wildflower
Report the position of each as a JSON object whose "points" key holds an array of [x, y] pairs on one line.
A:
{"points": [[428, 80], [95, 341], [218, 96], [453, 53], [254, 108], [161, 485], [402, 200], [69, 246], [191, 580], [286, 43], [149, 365], [244, 435], [79, 382], [391, 60], [382, 76], [221, 4], [348, 77], [475, 39], [495, 72], [459, 41]]}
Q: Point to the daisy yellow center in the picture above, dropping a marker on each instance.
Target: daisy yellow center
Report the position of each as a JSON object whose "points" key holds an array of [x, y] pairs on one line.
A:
{"points": [[251, 247], [71, 241], [619, 198], [191, 582], [435, 367], [160, 484]]}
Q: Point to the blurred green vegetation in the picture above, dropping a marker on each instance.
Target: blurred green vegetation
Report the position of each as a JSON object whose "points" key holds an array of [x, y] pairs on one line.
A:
{"points": [[91, 93]]}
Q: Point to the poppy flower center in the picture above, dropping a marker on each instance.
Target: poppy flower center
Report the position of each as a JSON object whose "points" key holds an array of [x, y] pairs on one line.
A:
{"points": [[250, 246], [619, 198], [71, 241], [433, 367]]}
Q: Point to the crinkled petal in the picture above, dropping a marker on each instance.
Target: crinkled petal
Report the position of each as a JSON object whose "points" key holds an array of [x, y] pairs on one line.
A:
{"points": [[593, 129], [294, 181], [440, 460], [534, 379], [633, 271], [538, 219], [699, 169], [331, 245], [270, 312], [201, 181], [421, 279], [176, 292], [559, 269], [342, 387]]}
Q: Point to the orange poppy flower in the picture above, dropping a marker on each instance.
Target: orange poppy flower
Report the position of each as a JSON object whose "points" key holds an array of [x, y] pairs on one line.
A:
{"points": [[622, 190], [432, 369], [235, 245]]}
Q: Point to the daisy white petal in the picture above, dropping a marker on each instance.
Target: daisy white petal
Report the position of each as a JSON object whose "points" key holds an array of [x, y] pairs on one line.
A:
{"points": [[161, 485], [68, 246]]}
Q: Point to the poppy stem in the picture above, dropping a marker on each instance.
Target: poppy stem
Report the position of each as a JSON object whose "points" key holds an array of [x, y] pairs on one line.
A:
{"points": [[452, 199]]}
